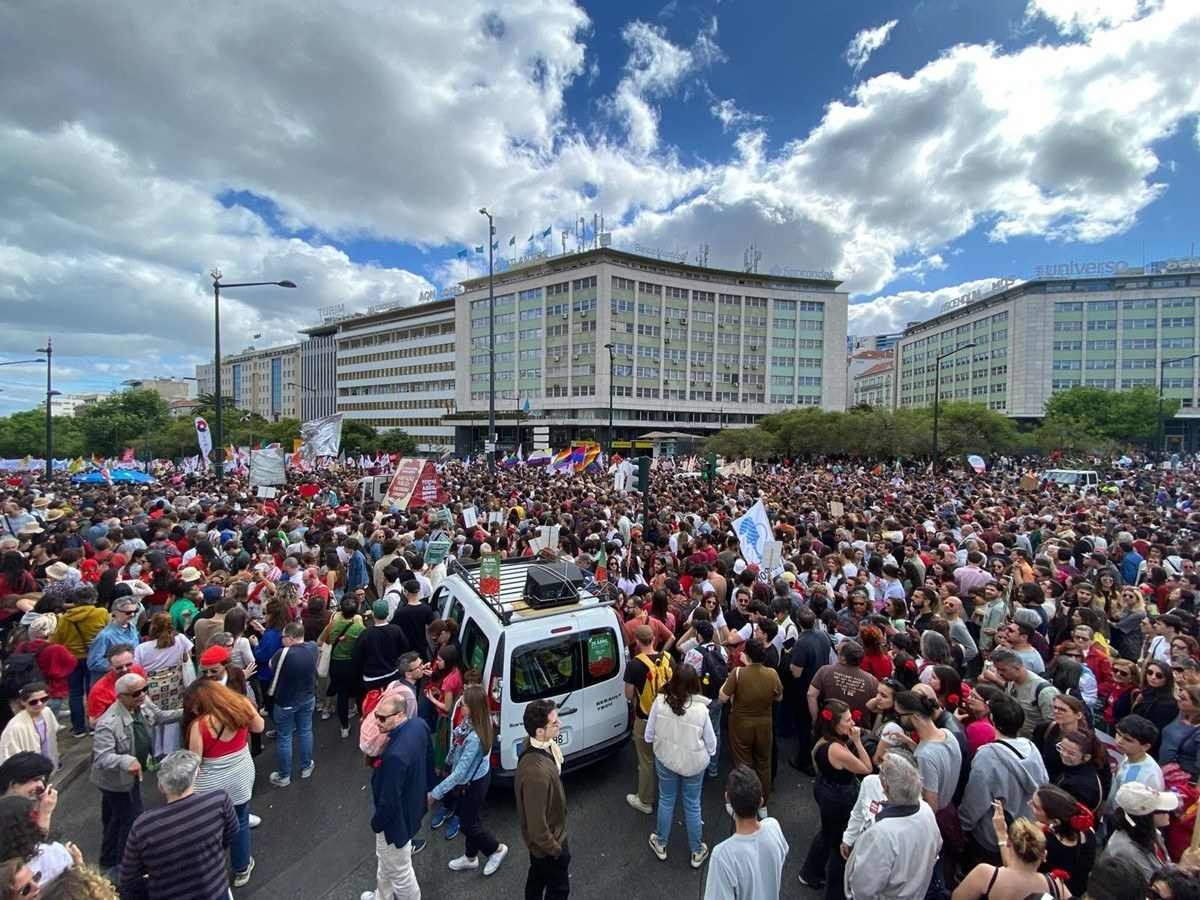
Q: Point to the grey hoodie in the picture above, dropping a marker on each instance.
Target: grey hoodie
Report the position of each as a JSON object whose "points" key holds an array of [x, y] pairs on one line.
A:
{"points": [[1008, 769]]}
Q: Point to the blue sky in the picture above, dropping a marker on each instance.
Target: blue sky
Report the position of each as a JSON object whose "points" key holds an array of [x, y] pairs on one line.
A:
{"points": [[915, 149]]}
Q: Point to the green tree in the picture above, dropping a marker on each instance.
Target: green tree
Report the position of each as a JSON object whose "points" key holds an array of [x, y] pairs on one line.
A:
{"points": [[1122, 417], [397, 440], [358, 438], [121, 420]]}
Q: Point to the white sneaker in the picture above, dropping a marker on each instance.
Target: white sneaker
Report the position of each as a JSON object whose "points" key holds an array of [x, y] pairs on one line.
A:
{"points": [[367, 895], [493, 862], [464, 863], [345, 732], [659, 848], [278, 780], [254, 820], [307, 771], [700, 856], [241, 878], [634, 801]]}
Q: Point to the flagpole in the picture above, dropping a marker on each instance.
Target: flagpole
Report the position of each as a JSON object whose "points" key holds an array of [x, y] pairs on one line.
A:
{"points": [[489, 444]]}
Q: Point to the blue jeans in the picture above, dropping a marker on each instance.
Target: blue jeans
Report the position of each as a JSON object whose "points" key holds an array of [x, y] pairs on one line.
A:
{"points": [[288, 720], [79, 681], [239, 850], [714, 716], [669, 784]]}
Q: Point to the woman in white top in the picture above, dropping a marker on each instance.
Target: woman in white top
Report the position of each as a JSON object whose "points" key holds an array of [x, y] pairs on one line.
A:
{"points": [[682, 734]]}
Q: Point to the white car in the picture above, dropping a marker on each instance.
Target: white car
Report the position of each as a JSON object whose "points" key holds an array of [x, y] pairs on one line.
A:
{"points": [[544, 636]]}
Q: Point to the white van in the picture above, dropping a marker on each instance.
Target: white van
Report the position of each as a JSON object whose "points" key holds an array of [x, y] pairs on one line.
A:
{"points": [[372, 488], [565, 645], [1081, 480]]}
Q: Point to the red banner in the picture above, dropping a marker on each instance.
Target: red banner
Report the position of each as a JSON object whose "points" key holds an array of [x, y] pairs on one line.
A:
{"points": [[416, 483]]}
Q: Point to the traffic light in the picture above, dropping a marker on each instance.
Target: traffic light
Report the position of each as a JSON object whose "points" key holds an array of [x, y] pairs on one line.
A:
{"points": [[641, 475]]}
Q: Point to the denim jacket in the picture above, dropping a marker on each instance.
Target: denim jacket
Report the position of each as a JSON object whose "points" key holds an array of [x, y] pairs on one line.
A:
{"points": [[468, 759]]}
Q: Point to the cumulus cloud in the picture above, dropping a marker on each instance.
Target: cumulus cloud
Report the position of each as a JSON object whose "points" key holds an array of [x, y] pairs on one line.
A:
{"points": [[1085, 16], [867, 42], [655, 68], [398, 126], [893, 312], [729, 114]]}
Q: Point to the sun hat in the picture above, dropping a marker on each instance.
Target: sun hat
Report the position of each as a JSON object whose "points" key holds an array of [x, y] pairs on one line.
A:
{"points": [[1137, 799]]}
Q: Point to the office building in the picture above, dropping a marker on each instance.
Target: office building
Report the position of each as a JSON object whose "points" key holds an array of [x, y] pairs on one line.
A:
{"points": [[873, 386], [1033, 339], [396, 369], [259, 381], [318, 371], [694, 349], [883, 342]]}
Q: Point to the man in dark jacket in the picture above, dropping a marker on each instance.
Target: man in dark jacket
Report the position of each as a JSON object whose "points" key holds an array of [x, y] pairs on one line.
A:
{"points": [[542, 805], [399, 787]]}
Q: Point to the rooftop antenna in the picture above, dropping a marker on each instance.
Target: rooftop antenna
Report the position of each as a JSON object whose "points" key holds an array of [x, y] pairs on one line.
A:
{"points": [[564, 241], [579, 228], [750, 259], [595, 231], [702, 255]]}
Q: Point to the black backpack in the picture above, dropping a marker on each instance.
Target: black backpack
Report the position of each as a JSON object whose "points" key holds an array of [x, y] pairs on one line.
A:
{"points": [[713, 671], [20, 669]]}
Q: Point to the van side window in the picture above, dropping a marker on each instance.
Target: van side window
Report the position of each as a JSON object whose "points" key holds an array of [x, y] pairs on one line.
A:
{"points": [[474, 646], [601, 649], [545, 669]]}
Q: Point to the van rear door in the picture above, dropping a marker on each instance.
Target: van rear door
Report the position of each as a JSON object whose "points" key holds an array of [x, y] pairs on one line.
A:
{"points": [[605, 712]]}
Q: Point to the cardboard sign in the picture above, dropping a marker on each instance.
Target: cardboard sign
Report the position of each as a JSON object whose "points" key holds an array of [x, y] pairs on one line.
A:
{"points": [[267, 493], [444, 517], [489, 574], [836, 510], [470, 516], [773, 555]]}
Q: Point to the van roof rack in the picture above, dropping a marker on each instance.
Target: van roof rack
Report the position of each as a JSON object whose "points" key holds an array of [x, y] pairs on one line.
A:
{"points": [[513, 580]]}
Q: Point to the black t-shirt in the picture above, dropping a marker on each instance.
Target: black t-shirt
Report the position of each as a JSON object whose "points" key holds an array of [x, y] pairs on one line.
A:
{"points": [[810, 652], [636, 674], [414, 619]]}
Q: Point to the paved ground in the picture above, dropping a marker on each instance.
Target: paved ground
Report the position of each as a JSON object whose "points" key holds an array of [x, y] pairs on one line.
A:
{"points": [[315, 840]]}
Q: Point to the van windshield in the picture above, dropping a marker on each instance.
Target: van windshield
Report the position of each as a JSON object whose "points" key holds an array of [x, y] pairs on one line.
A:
{"points": [[1060, 476]]}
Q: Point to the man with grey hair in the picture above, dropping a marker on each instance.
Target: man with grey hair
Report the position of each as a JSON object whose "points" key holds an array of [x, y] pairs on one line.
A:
{"points": [[121, 747], [894, 858], [182, 843]]}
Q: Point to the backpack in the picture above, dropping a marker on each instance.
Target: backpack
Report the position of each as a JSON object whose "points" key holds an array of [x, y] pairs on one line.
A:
{"points": [[658, 673], [20, 669], [714, 669]]}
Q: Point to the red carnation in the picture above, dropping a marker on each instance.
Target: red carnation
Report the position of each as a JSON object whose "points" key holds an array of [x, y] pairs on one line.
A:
{"points": [[952, 700], [827, 715]]}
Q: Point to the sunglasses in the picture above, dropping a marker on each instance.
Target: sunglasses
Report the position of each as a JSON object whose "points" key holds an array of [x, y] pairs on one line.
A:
{"points": [[36, 701], [31, 886], [211, 672], [136, 693], [383, 717], [1154, 673]]}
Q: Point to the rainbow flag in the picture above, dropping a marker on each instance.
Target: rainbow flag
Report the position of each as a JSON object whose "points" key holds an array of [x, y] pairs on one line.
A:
{"points": [[561, 461], [590, 455]]}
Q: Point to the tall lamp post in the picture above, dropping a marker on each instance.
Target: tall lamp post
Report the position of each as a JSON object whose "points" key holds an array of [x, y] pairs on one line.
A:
{"points": [[489, 445], [937, 392], [50, 392], [1160, 443], [611, 370], [219, 462]]}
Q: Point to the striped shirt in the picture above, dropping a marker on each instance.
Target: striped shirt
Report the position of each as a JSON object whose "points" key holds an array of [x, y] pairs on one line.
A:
{"points": [[181, 847]]}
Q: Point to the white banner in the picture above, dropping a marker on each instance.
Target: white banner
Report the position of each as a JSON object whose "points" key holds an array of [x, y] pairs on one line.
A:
{"points": [[203, 438], [753, 531], [268, 467], [322, 437]]}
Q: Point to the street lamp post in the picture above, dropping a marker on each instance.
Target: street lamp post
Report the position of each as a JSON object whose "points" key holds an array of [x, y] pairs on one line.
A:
{"points": [[49, 351], [937, 391], [489, 445], [219, 461], [611, 370], [1160, 443]]}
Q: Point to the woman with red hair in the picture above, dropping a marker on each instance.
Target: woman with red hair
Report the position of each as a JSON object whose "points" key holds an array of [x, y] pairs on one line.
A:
{"points": [[875, 658]]}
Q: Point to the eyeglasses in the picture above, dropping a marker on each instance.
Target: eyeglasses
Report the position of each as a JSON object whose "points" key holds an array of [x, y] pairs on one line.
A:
{"points": [[211, 673], [136, 693], [383, 717], [124, 668]]}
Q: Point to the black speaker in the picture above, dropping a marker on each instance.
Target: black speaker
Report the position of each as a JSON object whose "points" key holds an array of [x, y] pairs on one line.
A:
{"points": [[553, 584]]}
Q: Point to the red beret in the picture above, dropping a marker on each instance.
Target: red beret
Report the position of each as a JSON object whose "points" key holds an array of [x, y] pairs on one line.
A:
{"points": [[214, 656]]}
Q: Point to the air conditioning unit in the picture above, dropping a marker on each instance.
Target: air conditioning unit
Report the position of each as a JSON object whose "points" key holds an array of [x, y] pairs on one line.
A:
{"points": [[583, 313], [683, 321], [558, 359], [666, 340], [754, 347], [564, 315]]}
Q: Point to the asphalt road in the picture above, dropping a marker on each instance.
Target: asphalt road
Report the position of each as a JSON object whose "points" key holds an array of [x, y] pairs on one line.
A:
{"points": [[316, 843]]}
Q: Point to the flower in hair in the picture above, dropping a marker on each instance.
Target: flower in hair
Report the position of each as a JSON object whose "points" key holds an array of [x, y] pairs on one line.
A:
{"points": [[910, 664], [1061, 874], [827, 715], [952, 700], [1083, 820], [856, 714]]}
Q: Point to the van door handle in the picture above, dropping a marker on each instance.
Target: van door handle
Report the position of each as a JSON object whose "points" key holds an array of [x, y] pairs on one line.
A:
{"points": [[568, 712]]}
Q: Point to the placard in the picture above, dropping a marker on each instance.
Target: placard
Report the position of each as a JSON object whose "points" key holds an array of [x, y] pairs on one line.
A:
{"points": [[470, 516], [489, 574], [265, 492], [435, 551], [836, 510]]}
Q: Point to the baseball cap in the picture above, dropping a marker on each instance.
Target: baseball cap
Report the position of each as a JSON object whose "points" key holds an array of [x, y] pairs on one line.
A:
{"points": [[739, 567], [1139, 800], [380, 609]]}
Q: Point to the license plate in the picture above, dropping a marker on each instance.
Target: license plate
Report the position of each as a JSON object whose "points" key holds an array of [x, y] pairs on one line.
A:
{"points": [[564, 738]]}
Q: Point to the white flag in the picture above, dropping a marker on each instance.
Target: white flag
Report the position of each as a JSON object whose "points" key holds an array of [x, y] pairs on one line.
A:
{"points": [[322, 437], [267, 467], [203, 438], [753, 531]]}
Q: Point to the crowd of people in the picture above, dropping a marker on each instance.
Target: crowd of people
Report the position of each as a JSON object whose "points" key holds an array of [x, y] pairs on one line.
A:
{"points": [[991, 681]]}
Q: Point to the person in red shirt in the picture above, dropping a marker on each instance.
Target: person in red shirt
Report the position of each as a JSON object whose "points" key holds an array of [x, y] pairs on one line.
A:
{"points": [[104, 691], [54, 660], [875, 659]]}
